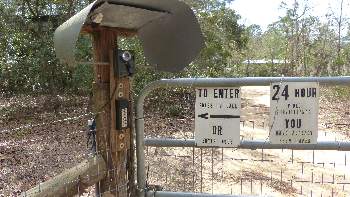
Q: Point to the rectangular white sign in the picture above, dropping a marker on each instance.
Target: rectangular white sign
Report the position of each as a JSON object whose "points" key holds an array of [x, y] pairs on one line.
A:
{"points": [[217, 117], [294, 112]]}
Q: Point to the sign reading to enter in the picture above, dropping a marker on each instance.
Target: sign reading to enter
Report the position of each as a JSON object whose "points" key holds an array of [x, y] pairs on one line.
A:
{"points": [[294, 112], [217, 117]]}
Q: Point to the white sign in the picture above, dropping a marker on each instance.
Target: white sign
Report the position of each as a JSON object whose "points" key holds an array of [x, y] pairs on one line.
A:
{"points": [[294, 112], [217, 121]]}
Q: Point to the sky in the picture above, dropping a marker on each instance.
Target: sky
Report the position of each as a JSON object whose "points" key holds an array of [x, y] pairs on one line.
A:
{"points": [[265, 12]]}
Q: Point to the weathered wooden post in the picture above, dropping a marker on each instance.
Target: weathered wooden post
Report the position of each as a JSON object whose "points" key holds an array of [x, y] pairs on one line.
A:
{"points": [[171, 38], [107, 90], [111, 90]]}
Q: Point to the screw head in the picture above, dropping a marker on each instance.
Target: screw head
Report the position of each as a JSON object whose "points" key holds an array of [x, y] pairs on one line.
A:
{"points": [[121, 146], [126, 56]]}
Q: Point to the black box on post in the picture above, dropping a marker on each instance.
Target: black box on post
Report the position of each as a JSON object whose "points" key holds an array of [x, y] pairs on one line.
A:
{"points": [[124, 63]]}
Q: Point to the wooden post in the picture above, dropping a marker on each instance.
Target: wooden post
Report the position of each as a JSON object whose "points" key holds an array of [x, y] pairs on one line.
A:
{"points": [[112, 144], [119, 89]]}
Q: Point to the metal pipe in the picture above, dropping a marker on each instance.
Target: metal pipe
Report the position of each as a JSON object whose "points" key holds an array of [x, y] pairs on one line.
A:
{"points": [[140, 155], [208, 82], [183, 194], [246, 81], [253, 144]]}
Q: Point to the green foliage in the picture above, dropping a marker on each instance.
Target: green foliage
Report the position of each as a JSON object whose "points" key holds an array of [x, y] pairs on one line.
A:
{"points": [[82, 78], [341, 92], [174, 110], [28, 63], [224, 38], [307, 45], [336, 92], [27, 57]]}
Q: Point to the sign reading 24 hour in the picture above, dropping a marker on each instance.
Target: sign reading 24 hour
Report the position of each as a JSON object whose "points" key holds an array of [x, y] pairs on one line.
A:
{"points": [[217, 117], [294, 112]]}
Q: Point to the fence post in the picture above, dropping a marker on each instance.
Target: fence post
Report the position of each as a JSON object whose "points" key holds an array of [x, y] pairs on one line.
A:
{"points": [[112, 144], [154, 22]]}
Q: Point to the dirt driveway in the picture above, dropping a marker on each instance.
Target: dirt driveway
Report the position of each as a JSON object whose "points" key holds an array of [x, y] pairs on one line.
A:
{"points": [[248, 172], [34, 155]]}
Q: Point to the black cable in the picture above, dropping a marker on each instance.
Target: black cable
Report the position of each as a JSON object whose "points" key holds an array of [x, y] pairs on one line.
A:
{"points": [[107, 103]]}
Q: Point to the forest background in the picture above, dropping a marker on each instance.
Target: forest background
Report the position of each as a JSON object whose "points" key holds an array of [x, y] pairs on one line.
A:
{"points": [[297, 44]]}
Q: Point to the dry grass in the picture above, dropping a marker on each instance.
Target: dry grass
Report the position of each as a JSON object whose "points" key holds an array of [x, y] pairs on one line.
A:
{"points": [[29, 156]]}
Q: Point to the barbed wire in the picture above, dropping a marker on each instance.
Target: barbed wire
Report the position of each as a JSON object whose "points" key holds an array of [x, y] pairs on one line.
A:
{"points": [[28, 126], [99, 111], [323, 178]]}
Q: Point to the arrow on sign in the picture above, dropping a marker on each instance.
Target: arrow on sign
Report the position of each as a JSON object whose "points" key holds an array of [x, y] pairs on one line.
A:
{"points": [[224, 116], [205, 116]]}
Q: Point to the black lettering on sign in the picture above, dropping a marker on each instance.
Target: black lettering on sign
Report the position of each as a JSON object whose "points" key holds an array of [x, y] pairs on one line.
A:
{"points": [[217, 130], [293, 106], [285, 141], [304, 141], [208, 141], [278, 132], [202, 93], [285, 92], [232, 106], [226, 141], [226, 93], [206, 105], [277, 87], [293, 123], [305, 92], [236, 93]]}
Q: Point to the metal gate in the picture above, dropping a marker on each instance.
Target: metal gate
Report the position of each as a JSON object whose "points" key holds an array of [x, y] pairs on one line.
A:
{"points": [[141, 142]]}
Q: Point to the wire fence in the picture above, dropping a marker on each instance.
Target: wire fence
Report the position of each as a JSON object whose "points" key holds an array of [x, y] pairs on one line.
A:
{"points": [[261, 172], [31, 152]]}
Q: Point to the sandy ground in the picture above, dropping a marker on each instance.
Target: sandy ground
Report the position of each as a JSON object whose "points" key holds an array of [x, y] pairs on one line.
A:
{"points": [[33, 155], [250, 172], [315, 164]]}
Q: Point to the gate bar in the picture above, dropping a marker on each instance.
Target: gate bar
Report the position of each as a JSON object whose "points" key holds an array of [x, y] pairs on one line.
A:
{"points": [[183, 194], [252, 144], [206, 82]]}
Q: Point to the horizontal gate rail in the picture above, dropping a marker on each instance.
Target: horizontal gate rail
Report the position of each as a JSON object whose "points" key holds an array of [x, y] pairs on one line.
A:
{"points": [[183, 194], [213, 82], [252, 144]]}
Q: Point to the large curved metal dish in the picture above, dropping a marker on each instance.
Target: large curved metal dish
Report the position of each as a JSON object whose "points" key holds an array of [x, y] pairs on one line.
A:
{"points": [[168, 30]]}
